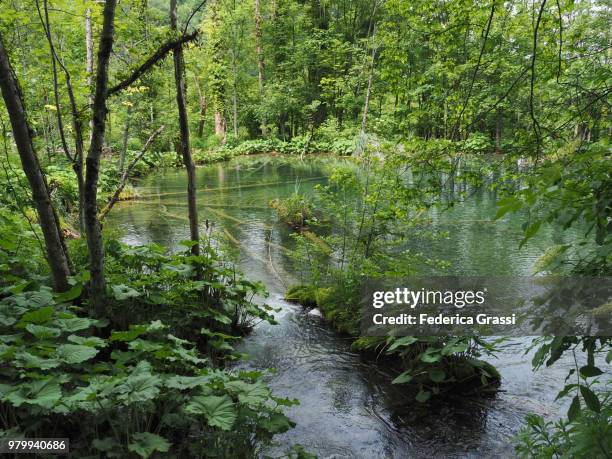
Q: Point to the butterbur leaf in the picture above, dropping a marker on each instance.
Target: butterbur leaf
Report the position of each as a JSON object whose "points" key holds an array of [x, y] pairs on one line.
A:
{"points": [[70, 295], [145, 444], [44, 393], [28, 360], [186, 382], [42, 332], [74, 324], [249, 394], [139, 388], [218, 411], [123, 292], [134, 332], [40, 316], [277, 423], [91, 341], [75, 353]]}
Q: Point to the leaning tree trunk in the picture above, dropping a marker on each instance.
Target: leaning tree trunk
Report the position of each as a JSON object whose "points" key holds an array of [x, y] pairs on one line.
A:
{"points": [[92, 224], [179, 76], [57, 255]]}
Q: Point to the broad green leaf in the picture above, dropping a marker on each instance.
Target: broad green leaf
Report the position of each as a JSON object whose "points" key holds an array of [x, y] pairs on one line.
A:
{"points": [[91, 341], [145, 444], [29, 360], [403, 341], [75, 353], [186, 382], [45, 393], [218, 411], [123, 292], [70, 295], [249, 394], [139, 388], [40, 316], [277, 423], [74, 324], [42, 332], [134, 332]]}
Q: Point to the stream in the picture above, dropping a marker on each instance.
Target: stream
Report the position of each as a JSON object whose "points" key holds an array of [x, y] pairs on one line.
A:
{"points": [[347, 407]]}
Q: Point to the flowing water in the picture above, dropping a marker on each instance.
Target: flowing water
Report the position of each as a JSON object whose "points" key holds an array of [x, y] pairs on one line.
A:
{"points": [[347, 406]]}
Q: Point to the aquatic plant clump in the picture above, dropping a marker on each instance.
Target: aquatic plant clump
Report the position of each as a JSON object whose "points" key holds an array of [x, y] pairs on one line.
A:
{"points": [[296, 210]]}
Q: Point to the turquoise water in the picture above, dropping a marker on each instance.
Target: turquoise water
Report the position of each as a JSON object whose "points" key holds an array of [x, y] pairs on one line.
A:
{"points": [[348, 408]]}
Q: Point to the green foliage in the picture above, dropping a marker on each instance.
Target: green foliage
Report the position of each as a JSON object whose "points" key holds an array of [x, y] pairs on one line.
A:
{"points": [[141, 389], [296, 210], [588, 434], [372, 210]]}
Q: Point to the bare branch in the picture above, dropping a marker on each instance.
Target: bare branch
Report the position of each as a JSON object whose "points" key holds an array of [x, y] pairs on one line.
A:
{"points": [[127, 172], [157, 56], [536, 124], [193, 13], [476, 69]]}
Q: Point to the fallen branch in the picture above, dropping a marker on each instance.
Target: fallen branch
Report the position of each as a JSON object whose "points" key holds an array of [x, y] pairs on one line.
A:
{"points": [[126, 174]]}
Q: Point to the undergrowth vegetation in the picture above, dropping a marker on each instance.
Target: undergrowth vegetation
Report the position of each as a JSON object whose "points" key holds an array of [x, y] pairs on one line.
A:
{"points": [[146, 379]]}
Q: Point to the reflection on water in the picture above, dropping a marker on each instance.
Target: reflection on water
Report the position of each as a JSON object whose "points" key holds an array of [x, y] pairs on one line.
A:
{"points": [[348, 408]]}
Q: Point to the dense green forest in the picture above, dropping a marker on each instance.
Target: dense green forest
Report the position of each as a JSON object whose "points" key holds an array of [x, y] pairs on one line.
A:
{"points": [[400, 112]]}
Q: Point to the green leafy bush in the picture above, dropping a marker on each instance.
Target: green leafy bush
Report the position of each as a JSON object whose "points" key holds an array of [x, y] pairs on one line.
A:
{"points": [[145, 380]]}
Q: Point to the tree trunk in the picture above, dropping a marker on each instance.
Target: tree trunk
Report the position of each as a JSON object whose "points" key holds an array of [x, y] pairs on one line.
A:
{"points": [[219, 124], [92, 224], [57, 255], [499, 118], [260, 60], [77, 125], [89, 62], [217, 70], [366, 104], [179, 77], [234, 95], [203, 105], [126, 135]]}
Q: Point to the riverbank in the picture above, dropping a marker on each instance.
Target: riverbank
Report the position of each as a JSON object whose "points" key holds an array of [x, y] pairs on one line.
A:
{"points": [[347, 404]]}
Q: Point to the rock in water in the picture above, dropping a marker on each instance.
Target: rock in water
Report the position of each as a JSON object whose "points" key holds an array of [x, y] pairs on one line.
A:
{"points": [[315, 313]]}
